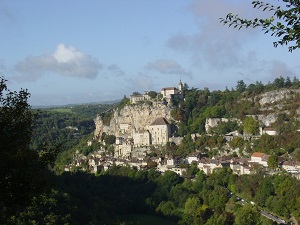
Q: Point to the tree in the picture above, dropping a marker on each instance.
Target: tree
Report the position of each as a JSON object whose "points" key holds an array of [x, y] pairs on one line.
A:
{"points": [[110, 139], [251, 125], [247, 215], [279, 82], [152, 94], [284, 24], [21, 168], [241, 86], [273, 161]]}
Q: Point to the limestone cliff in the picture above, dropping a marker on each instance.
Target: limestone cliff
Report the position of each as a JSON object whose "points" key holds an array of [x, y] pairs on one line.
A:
{"points": [[279, 101], [132, 117]]}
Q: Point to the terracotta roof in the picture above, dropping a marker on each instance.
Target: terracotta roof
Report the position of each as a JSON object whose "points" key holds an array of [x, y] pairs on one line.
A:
{"points": [[257, 154], [160, 121]]}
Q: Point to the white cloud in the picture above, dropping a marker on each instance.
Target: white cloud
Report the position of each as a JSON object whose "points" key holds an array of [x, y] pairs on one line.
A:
{"points": [[167, 67], [65, 61], [66, 55]]}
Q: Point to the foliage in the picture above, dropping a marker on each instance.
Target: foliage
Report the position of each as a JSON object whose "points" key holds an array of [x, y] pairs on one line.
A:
{"points": [[22, 170], [273, 161], [284, 24], [123, 102], [109, 139], [53, 207], [152, 94], [18, 162], [251, 125], [64, 129], [247, 215], [241, 86]]}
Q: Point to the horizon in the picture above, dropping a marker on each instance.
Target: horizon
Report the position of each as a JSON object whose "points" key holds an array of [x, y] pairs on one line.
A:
{"points": [[73, 53]]}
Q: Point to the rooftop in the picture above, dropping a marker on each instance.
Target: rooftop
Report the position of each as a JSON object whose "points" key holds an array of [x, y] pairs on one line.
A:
{"points": [[160, 121], [257, 154]]}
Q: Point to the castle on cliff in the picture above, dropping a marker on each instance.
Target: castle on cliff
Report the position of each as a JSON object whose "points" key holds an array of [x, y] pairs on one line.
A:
{"points": [[167, 93]]}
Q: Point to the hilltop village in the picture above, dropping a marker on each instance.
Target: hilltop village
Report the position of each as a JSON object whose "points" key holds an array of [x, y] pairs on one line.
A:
{"points": [[143, 129]]}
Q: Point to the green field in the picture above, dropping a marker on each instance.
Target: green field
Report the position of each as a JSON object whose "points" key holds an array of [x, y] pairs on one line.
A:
{"points": [[148, 220], [61, 110]]}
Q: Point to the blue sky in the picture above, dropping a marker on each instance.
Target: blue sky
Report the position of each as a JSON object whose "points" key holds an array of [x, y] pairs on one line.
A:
{"points": [[67, 52]]}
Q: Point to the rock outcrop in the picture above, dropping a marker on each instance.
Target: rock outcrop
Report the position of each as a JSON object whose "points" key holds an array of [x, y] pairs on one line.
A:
{"points": [[275, 102], [277, 96], [136, 116]]}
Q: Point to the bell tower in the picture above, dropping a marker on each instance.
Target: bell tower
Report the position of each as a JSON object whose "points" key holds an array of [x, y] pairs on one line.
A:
{"points": [[180, 86]]}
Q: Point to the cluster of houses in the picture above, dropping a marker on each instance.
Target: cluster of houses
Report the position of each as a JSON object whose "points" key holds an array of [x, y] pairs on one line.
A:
{"points": [[96, 163], [133, 145]]}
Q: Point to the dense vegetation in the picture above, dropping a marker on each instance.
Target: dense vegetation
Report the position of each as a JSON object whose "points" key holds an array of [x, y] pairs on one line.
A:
{"points": [[112, 196], [199, 105]]}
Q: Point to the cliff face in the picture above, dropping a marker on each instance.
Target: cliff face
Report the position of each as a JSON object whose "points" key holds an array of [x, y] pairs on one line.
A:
{"points": [[275, 102], [137, 117], [278, 96]]}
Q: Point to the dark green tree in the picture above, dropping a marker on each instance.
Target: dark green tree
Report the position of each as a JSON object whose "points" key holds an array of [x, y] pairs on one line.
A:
{"points": [[110, 139], [21, 168], [273, 161], [241, 86], [247, 215], [152, 94]]}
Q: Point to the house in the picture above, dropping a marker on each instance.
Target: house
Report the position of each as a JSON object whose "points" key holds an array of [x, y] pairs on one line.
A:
{"points": [[124, 148], [173, 92], [160, 131], [240, 165], [245, 169], [208, 165], [257, 157], [178, 170], [269, 131], [125, 127], [193, 157], [291, 166], [264, 160], [139, 98], [141, 138]]}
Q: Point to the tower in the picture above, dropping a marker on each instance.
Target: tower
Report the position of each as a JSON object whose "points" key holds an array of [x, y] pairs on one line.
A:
{"points": [[180, 86]]}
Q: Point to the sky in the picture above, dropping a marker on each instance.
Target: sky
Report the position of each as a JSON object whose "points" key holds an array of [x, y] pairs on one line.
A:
{"points": [[71, 52]]}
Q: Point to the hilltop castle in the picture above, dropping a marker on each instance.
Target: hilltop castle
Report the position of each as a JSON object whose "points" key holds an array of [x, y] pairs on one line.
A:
{"points": [[166, 93]]}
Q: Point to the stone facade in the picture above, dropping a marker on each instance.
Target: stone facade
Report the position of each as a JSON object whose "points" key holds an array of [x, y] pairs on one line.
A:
{"points": [[132, 118], [142, 138], [160, 131], [139, 97], [173, 92], [143, 124]]}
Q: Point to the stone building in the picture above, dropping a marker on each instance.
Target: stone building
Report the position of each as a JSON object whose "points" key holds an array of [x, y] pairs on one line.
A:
{"points": [[173, 92], [160, 131], [139, 98], [141, 138]]}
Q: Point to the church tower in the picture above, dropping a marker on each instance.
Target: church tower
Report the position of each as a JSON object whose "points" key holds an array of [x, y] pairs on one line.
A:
{"points": [[180, 87]]}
